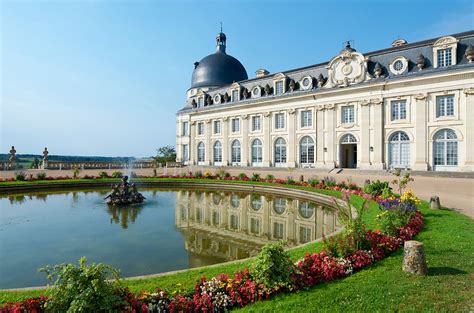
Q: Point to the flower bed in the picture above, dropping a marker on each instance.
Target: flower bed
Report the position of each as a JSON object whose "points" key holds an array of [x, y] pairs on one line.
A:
{"points": [[223, 292]]}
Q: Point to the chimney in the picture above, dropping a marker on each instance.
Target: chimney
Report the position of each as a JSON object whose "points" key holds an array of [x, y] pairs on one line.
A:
{"points": [[261, 72]]}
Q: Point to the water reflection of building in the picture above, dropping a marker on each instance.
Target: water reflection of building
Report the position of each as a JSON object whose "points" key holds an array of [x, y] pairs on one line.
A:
{"points": [[232, 226]]}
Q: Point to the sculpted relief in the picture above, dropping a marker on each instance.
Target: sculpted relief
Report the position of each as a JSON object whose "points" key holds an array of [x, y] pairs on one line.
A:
{"points": [[349, 67]]}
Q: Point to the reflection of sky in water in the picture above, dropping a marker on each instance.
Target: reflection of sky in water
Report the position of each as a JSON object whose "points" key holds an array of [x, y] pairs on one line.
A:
{"points": [[171, 230]]}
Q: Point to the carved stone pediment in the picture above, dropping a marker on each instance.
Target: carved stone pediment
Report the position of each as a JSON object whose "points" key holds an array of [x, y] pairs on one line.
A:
{"points": [[421, 96], [348, 68], [291, 111], [444, 41], [235, 86], [320, 107], [329, 106]]}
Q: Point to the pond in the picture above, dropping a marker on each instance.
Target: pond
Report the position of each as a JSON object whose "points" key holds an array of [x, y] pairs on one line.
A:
{"points": [[171, 230]]}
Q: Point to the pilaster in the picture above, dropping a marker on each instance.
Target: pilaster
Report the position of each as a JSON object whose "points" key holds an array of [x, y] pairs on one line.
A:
{"points": [[244, 147], [330, 137], [225, 141], [468, 140], [267, 143], [291, 146], [378, 144], [192, 146], [207, 144], [421, 134], [320, 142], [364, 146]]}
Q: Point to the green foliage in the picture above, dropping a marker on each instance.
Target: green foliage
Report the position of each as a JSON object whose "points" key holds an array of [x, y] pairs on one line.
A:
{"points": [[75, 173], [290, 181], [103, 174], [329, 181], [20, 176], [376, 188], [339, 245], [273, 266], [117, 174], [198, 174], [402, 179], [314, 182], [165, 154], [35, 163], [270, 177], [255, 177], [87, 288], [242, 176], [353, 224], [41, 176], [221, 173]]}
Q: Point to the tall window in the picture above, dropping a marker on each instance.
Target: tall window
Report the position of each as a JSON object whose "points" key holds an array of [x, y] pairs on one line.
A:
{"points": [[305, 234], [235, 151], [280, 151], [444, 57], [347, 114], [279, 120], [445, 106], [234, 221], [235, 125], [200, 128], [399, 110], [185, 152], [306, 119], [235, 95], [201, 152], [185, 130], [399, 150], [278, 230], [279, 87], [306, 150], [445, 148], [257, 151], [254, 225], [256, 123], [217, 152], [217, 127], [200, 101]]}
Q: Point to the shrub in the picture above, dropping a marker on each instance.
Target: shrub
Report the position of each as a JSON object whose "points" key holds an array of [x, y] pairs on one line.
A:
{"points": [[290, 181], [242, 176], [376, 188], [255, 177], [339, 245], [270, 177], [75, 173], [402, 179], [20, 176], [313, 182], [329, 181], [117, 174], [198, 174], [86, 288], [103, 175], [273, 267], [41, 176]]}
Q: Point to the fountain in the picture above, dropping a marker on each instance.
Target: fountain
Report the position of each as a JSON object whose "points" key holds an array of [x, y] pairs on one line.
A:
{"points": [[124, 193]]}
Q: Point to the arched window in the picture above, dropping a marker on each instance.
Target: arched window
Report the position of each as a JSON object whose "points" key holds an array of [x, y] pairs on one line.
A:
{"points": [[201, 152], [235, 151], [399, 150], [280, 151], [445, 149], [348, 138], [256, 152], [307, 150], [217, 152], [279, 205]]}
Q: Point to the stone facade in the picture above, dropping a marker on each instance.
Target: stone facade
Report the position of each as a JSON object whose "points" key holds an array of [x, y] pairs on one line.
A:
{"points": [[409, 106]]}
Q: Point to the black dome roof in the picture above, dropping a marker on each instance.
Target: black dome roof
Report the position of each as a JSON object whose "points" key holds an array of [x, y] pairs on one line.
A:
{"points": [[218, 69]]}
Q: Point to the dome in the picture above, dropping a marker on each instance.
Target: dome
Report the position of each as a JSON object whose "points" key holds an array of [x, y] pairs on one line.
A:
{"points": [[218, 69]]}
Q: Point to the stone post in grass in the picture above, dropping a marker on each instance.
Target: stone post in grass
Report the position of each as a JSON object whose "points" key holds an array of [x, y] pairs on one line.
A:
{"points": [[435, 203], [414, 260]]}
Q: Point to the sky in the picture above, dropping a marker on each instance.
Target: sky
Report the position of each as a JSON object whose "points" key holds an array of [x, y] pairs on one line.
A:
{"points": [[107, 77]]}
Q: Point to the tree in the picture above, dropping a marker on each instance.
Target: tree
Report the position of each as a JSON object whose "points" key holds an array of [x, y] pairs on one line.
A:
{"points": [[165, 154]]}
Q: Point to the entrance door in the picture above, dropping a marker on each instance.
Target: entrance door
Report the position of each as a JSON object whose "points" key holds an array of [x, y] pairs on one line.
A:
{"points": [[348, 156], [348, 152]]}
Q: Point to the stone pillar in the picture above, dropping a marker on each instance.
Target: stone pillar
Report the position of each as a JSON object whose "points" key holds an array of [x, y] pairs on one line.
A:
{"points": [[469, 135], [244, 145], [379, 143], [320, 142], [291, 147], [192, 147], [267, 142], [207, 144], [421, 134], [435, 203], [330, 137], [225, 141], [414, 260], [363, 152]]}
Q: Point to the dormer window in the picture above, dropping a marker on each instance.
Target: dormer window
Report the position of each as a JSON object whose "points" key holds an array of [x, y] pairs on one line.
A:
{"points": [[445, 57], [256, 92], [200, 101], [235, 95], [444, 51], [279, 87]]}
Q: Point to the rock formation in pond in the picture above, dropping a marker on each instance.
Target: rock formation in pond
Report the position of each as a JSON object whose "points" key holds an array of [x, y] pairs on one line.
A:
{"points": [[124, 193]]}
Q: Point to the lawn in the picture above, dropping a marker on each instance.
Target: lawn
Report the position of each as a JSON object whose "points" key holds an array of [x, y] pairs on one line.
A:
{"points": [[448, 237]]}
